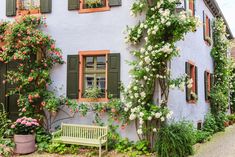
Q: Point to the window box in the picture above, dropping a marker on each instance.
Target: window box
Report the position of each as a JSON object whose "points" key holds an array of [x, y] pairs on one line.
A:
{"points": [[34, 11], [88, 6], [23, 12]]}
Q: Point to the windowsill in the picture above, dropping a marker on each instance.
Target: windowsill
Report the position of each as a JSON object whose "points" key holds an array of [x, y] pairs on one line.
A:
{"points": [[192, 102], [91, 101], [91, 10]]}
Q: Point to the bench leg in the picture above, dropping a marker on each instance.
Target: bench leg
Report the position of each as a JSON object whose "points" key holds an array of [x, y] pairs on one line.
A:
{"points": [[106, 146], [100, 151]]}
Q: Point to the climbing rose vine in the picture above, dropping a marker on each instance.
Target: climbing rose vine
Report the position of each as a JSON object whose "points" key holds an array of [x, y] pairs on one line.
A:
{"points": [[157, 35], [223, 73], [33, 53]]}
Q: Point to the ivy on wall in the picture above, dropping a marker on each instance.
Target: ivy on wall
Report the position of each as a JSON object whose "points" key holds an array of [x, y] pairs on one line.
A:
{"points": [[223, 73]]}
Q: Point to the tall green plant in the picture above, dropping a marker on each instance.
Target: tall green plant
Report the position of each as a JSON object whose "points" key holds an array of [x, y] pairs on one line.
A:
{"points": [[176, 140]]}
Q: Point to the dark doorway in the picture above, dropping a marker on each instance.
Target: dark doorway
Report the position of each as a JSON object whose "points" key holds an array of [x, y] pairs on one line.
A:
{"points": [[9, 102]]}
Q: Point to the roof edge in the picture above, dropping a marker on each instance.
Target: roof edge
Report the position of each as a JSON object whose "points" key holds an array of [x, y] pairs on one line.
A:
{"points": [[216, 11]]}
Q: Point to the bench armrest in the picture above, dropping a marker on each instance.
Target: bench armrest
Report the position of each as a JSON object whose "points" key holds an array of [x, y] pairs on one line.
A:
{"points": [[56, 134], [102, 137]]}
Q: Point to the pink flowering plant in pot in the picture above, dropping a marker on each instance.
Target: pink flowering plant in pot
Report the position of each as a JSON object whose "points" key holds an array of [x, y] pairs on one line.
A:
{"points": [[24, 137], [24, 126]]}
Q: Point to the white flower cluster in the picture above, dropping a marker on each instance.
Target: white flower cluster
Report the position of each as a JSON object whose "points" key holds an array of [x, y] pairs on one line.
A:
{"points": [[154, 115]]}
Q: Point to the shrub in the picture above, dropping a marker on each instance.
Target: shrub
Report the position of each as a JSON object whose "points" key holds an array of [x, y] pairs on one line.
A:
{"points": [[220, 119], [210, 124], [4, 122], [176, 140], [62, 148], [202, 136]]}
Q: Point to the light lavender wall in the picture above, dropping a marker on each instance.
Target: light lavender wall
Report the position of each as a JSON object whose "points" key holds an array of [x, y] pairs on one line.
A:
{"points": [[104, 31], [193, 48]]}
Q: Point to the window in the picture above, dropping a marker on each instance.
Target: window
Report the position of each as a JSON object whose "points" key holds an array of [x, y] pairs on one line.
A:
{"points": [[93, 73], [208, 80], [93, 69], [25, 7], [207, 28], [191, 92], [87, 6], [192, 6]]}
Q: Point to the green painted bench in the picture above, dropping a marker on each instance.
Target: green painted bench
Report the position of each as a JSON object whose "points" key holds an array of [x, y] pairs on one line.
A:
{"points": [[86, 135]]}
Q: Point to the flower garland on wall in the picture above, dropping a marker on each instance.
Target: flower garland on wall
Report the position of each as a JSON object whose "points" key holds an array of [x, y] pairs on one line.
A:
{"points": [[34, 54], [223, 70], [161, 29]]}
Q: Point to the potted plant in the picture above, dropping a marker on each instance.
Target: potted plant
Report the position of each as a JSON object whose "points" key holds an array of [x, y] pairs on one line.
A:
{"points": [[92, 94], [52, 103], [93, 3], [24, 137]]}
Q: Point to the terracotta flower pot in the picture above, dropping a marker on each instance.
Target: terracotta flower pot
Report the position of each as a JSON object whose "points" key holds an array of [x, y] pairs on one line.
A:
{"points": [[24, 144], [34, 11], [226, 124], [24, 12]]}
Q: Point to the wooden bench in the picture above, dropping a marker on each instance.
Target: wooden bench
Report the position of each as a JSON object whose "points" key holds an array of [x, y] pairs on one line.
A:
{"points": [[86, 135]]}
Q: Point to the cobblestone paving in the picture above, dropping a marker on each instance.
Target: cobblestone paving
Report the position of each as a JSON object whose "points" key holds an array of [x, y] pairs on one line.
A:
{"points": [[221, 145]]}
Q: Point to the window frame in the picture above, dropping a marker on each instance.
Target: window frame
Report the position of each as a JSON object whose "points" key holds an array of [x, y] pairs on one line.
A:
{"points": [[208, 75], [192, 6], [207, 29], [90, 10], [20, 12], [193, 77], [83, 54]]}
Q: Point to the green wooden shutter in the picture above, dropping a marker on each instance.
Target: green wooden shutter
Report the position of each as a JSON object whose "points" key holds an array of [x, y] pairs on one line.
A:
{"points": [[194, 7], [113, 3], [45, 6], [196, 80], [114, 75], [2, 86], [10, 7], [206, 85], [72, 76], [188, 91], [73, 4], [212, 83], [204, 25]]}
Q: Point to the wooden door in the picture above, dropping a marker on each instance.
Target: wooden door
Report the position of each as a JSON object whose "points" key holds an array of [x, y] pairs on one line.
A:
{"points": [[9, 102]]}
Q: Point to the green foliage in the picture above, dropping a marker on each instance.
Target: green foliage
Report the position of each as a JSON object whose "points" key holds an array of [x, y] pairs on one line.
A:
{"points": [[92, 93], [210, 124], [4, 121], [6, 147], [220, 121], [176, 140], [43, 139], [202, 136], [62, 148]]}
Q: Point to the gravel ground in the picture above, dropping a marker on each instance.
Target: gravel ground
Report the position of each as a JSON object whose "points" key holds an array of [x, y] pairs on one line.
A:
{"points": [[222, 144]]}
